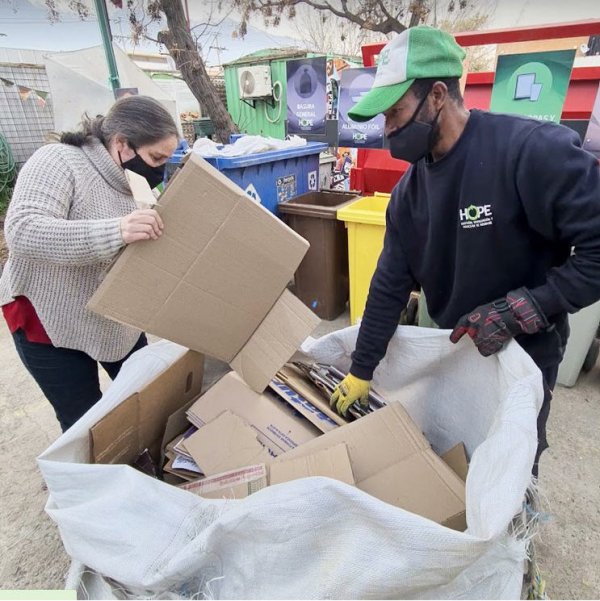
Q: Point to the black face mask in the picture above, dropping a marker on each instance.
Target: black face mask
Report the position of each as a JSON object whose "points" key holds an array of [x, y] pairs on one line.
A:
{"points": [[414, 140], [153, 175]]}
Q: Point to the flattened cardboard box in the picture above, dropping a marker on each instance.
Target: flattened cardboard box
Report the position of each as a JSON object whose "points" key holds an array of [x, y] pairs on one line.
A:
{"points": [[234, 484], [303, 406], [225, 443], [239, 483], [215, 280], [392, 460], [291, 376], [276, 424]]}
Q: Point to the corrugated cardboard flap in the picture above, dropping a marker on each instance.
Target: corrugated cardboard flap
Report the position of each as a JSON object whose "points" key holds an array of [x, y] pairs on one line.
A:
{"points": [[278, 336], [456, 458], [332, 462]]}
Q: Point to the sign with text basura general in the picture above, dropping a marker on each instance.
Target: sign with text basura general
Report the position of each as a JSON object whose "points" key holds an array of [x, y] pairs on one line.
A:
{"points": [[306, 96]]}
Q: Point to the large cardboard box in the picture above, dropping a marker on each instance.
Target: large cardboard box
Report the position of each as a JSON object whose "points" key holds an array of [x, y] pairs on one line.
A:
{"points": [[215, 281], [141, 420]]}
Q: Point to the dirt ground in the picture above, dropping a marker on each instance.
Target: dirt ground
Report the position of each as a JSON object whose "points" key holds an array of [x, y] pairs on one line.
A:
{"points": [[568, 547]]}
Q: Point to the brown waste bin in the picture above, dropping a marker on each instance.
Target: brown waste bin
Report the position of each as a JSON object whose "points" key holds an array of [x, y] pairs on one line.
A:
{"points": [[321, 281]]}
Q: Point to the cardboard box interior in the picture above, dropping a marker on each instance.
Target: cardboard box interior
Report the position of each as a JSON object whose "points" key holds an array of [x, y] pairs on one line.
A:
{"points": [[139, 422]]}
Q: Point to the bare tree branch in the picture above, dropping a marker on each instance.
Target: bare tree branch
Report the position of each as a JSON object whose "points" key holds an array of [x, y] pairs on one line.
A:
{"points": [[142, 15], [382, 16], [386, 23], [329, 34], [210, 23]]}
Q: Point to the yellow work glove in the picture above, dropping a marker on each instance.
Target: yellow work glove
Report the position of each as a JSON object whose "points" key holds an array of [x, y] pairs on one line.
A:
{"points": [[349, 390]]}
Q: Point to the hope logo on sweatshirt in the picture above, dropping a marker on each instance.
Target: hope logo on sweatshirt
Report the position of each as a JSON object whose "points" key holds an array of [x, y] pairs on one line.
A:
{"points": [[476, 216]]}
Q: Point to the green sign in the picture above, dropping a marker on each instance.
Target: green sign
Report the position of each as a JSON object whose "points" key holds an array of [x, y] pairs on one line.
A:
{"points": [[533, 85]]}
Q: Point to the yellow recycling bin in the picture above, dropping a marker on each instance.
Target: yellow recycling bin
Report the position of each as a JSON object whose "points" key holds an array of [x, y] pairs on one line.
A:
{"points": [[365, 220]]}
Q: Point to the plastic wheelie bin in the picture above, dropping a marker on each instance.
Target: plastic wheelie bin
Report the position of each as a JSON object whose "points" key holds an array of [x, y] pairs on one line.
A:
{"points": [[365, 220], [321, 281], [274, 176]]}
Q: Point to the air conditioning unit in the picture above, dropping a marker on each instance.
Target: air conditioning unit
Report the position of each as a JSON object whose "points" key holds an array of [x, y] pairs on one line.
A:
{"points": [[255, 81]]}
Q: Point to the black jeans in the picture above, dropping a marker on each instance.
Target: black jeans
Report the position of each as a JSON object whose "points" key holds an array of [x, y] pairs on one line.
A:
{"points": [[68, 378], [550, 374]]}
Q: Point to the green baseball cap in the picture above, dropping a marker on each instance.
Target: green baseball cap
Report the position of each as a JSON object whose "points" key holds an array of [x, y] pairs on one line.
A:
{"points": [[417, 53]]}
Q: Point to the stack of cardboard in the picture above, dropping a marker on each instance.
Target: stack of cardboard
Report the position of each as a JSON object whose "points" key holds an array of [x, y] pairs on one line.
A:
{"points": [[215, 282], [239, 441]]}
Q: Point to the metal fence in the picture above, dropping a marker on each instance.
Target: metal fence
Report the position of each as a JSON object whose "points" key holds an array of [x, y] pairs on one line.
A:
{"points": [[26, 116]]}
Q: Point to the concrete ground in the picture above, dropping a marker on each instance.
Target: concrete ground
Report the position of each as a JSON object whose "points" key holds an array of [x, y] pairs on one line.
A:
{"points": [[568, 547]]}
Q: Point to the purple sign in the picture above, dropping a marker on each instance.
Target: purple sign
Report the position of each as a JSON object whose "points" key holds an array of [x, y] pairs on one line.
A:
{"points": [[306, 96], [369, 134]]}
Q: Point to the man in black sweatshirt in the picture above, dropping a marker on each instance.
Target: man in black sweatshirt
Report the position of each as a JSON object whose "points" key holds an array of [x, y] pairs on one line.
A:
{"points": [[484, 220]]}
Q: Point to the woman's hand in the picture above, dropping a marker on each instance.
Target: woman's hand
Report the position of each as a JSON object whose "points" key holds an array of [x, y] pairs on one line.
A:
{"points": [[143, 224]]}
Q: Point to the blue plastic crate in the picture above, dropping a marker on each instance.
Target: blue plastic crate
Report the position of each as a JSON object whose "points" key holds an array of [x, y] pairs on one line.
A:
{"points": [[276, 175]]}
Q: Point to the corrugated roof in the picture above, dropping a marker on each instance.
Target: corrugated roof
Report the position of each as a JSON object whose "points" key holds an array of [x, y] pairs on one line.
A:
{"points": [[22, 56], [268, 54]]}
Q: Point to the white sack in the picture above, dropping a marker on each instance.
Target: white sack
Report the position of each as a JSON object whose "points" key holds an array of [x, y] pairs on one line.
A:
{"points": [[316, 537]]}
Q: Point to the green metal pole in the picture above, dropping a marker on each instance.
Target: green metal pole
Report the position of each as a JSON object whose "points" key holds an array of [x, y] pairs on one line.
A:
{"points": [[113, 73]]}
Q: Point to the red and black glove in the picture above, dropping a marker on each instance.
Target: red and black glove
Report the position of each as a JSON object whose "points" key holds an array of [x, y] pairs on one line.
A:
{"points": [[491, 326]]}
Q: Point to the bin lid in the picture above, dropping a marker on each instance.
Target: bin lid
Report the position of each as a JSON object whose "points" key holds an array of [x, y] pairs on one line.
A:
{"points": [[369, 210], [269, 156], [176, 158], [323, 204]]}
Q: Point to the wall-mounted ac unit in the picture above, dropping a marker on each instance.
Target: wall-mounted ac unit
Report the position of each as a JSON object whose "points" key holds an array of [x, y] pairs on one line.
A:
{"points": [[255, 81]]}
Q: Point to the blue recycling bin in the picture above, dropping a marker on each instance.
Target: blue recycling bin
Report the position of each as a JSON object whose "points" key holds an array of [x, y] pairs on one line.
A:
{"points": [[274, 176], [175, 159]]}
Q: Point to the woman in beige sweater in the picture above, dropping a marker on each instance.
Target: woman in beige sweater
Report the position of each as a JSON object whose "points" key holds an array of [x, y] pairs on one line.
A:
{"points": [[70, 214]]}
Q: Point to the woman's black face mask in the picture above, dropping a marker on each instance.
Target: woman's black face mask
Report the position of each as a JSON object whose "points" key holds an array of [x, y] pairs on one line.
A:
{"points": [[414, 140], [153, 175]]}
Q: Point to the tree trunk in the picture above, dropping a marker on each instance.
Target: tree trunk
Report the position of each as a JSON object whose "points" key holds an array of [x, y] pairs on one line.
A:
{"points": [[418, 9], [182, 48]]}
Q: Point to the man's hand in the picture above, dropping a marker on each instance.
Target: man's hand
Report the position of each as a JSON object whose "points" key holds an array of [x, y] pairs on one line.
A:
{"points": [[142, 224], [491, 326], [348, 391]]}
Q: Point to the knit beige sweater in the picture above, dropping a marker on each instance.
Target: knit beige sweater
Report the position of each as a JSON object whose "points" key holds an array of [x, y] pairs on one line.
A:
{"points": [[63, 230]]}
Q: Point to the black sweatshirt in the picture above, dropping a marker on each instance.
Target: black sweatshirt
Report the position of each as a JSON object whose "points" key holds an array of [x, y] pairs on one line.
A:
{"points": [[502, 209]]}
